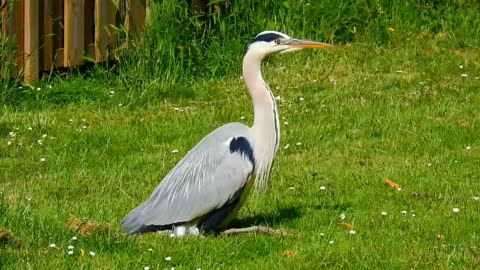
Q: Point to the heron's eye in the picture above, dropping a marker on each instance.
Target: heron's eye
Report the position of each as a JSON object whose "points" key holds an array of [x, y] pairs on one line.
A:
{"points": [[277, 41]]}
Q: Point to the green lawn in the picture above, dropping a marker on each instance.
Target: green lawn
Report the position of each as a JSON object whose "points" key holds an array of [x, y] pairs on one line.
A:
{"points": [[351, 117]]}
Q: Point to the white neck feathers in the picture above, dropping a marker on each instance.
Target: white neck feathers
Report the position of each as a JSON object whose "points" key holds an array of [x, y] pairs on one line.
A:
{"points": [[266, 127]]}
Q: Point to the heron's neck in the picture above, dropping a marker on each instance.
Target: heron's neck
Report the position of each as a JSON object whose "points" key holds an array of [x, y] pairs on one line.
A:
{"points": [[266, 126]]}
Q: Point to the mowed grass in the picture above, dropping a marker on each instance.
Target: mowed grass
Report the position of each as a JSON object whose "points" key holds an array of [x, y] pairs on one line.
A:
{"points": [[351, 117]]}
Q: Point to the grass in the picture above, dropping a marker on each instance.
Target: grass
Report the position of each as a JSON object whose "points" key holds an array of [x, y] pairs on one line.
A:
{"points": [[399, 109]]}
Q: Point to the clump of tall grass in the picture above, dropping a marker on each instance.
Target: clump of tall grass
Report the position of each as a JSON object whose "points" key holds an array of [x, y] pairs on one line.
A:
{"points": [[7, 70], [177, 44]]}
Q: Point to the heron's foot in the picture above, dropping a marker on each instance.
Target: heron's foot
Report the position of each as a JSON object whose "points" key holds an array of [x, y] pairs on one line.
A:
{"points": [[256, 229]]}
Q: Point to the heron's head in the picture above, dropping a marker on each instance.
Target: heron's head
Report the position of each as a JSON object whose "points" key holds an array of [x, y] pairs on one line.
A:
{"points": [[268, 42]]}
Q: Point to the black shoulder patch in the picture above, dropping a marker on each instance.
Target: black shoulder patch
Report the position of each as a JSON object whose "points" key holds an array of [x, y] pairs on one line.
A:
{"points": [[267, 37], [242, 146]]}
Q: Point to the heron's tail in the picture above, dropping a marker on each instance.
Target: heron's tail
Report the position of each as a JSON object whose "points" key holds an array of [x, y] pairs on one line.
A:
{"points": [[132, 223]]}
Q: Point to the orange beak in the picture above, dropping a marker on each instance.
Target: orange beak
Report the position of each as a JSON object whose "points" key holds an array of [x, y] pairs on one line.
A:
{"points": [[298, 44], [303, 44]]}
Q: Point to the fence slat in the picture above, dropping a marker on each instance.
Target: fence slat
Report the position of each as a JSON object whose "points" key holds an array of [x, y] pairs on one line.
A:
{"points": [[74, 32], [57, 15], [31, 41], [135, 17], [89, 28], [46, 34], [104, 36]]}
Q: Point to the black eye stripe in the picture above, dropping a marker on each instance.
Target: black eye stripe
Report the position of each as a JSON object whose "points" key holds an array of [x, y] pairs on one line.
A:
{"points": [[268, 37]]}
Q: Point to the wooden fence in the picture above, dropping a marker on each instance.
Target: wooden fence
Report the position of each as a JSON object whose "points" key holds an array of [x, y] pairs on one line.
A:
{"points": [[60, 33]]}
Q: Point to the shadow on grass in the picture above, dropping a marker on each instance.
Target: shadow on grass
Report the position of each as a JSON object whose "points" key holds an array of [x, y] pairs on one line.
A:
{"points": [[283, 215]]}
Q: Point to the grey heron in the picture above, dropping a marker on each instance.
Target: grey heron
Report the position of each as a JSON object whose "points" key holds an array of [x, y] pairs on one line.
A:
{"points": [[205, 190]]}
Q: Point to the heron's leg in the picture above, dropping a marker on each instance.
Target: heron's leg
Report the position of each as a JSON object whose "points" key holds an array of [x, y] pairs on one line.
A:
{"points": [[259, 229]]}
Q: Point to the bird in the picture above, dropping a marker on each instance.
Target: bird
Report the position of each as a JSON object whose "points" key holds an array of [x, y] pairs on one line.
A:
{"points": [[207, 187]]}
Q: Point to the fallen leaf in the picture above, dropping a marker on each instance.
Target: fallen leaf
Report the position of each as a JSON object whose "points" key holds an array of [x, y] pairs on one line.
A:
{"points": [[349, 226], [86, 227], [288, 253], [392, 184]]}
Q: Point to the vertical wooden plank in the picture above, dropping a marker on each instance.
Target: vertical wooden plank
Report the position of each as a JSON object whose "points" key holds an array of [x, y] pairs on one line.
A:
{"points": [[5, 19], [31, 41], [46, 34], [89, 26], [58, 23], [135, 19], [57, 29], [105, 11], [20, 22], [74, 11]]}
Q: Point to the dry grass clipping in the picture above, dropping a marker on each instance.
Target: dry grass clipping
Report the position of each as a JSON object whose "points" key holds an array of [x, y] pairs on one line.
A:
{"points": [[85, 227], [7, 237]]}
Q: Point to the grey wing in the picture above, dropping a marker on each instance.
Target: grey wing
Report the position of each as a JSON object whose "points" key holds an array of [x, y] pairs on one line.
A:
{"points": [[204, 180]]}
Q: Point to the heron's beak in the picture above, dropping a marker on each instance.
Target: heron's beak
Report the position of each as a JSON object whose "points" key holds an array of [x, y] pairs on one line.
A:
{"points": [[298, 44]]}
